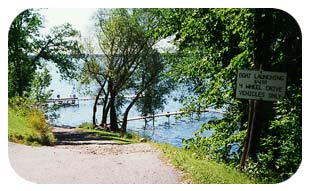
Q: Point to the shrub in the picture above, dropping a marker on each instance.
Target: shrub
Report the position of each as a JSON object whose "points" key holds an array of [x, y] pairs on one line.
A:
{"points": [[27, 124]]}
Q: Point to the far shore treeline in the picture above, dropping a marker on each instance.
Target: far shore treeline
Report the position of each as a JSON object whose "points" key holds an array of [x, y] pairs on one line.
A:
{"points": [[210, 47]]}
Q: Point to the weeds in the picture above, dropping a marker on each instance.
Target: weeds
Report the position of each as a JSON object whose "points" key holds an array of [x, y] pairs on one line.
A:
{"points": [[200, 170], [27, 125]]}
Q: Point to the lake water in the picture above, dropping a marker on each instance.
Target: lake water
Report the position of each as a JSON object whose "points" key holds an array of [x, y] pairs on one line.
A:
{"points": [[166, 130]]}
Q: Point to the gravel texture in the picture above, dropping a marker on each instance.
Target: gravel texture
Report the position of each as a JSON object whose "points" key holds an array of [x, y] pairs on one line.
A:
{"points": [[83, 158]]}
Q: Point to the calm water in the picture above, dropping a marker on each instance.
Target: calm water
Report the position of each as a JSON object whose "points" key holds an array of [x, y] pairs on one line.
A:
{"points": [[166, 130]]}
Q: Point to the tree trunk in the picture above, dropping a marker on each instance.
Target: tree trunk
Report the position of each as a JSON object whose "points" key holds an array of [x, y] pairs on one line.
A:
{"points": [[255, 121], [95, 106], [113, 116], [262, 57], [105, 110], [94, 112], [104, 116], [124, 124]]}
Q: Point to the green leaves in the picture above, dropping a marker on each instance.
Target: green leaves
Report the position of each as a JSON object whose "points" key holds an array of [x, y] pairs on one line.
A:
{"points": [[283, 143], [39, 85], [22, 37], [28, 50]]}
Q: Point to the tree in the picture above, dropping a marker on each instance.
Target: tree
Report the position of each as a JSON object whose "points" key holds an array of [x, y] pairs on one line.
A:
{"points": [[212, 45], [28, 50], [149, 85], [40, 83], [128, 62], [23, 29]]}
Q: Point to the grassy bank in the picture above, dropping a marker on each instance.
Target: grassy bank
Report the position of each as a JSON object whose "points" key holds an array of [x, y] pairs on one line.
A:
{"points": [[202, 171], [123, 138], [28, 127]]}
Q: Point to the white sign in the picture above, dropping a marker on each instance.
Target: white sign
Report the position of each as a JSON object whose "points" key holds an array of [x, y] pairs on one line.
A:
{"points": [[260, 85]]}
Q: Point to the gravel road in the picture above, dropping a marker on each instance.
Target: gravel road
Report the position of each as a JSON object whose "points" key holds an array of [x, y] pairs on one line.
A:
{"points": [[80, 158]]}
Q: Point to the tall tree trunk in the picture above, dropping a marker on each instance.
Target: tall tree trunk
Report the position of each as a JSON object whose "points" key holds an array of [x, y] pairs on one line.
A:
{"points": [[104, 118], [124, 123], [105, 110], [95, 105], [94, 112], [262, 56], [113, 116]]}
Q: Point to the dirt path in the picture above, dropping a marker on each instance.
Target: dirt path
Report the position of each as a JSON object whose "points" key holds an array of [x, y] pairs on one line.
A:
{"points": [[84, 158]]}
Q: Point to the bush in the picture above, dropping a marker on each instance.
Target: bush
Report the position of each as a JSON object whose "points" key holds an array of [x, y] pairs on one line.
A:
{"points": [[281, 149], [27, 125]]}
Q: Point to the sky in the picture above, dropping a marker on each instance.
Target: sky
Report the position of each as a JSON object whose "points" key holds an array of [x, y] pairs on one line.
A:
{"points": [[79, 18]]}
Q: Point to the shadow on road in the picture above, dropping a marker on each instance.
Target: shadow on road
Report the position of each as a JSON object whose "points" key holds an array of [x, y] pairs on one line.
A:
{"points": [[66, 136]]}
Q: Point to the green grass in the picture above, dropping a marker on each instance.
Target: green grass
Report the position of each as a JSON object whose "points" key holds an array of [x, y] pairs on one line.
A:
{"points": [[123, 138], [29, 129], [202, 171]]}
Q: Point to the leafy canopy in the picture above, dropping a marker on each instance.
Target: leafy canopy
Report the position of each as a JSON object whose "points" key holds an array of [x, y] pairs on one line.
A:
{"points": [[29, 50]]}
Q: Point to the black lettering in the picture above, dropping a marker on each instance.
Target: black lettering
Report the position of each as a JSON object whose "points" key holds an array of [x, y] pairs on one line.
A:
{"points": [[253, 87], [252, 93], [268, 77], [274, 88], [260, 81], [244, 75]]}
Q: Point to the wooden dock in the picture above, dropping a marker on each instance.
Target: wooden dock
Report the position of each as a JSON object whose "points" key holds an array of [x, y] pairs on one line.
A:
{"points": [[72, 101], [168, 114], [75, 100]]}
